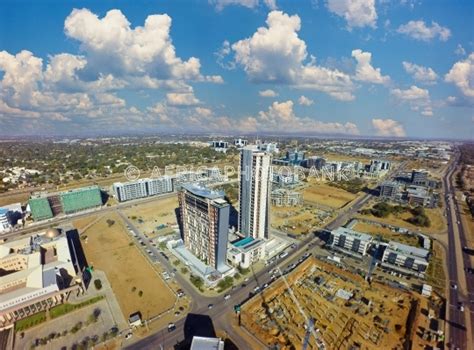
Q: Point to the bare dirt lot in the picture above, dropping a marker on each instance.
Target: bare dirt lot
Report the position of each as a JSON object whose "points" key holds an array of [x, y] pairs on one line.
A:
{"points": [[297, 220], [318, 192], [347, 311], [110, 249], [148, 217], [386, 233]]}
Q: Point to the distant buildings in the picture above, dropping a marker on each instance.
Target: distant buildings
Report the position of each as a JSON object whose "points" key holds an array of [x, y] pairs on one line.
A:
{"points": [[285, 179], [205, 224], [286, 198], [142, 188], [314, 162], [220, 146], [46, 205], [37, 273], [406, 257], [295, 157], [254, 196], [379, 165], [350, 240], [240, 143], [269, 147]]}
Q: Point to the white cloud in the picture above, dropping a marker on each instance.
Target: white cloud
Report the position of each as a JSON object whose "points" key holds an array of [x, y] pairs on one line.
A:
{"points": [[421, 74], [112, 46], [305, 101], [357, 13], [388, 128], [178, 99], [202, 111], [461, 74], [275, 54], [222, 54], [420, 31], [364, 70], [460, 50], [268, 93], [418, 99], [220, 4]]}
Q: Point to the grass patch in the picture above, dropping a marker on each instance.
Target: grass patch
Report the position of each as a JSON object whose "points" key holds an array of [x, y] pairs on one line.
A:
{"points": [[30, 321], [66, 308]]}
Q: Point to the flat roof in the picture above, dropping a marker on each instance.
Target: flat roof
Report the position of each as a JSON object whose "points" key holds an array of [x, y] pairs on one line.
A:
{"points": [[348, 232], [408, 249], [204, 343], [243, 241], [202, 191]]}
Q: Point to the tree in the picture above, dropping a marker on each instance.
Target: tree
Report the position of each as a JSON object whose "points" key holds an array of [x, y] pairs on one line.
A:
{"points": [[98, 284]]}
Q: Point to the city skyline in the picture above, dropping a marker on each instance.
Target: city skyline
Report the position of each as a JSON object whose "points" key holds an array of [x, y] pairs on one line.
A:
{"points": [[374, 69]]}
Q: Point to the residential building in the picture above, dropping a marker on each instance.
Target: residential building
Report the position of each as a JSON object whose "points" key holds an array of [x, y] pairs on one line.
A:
{"points": [[205, 224], [350, 240], [285, 198], [125, 191], [406, 257], [254, 194], [389, 189], [38, 273]]}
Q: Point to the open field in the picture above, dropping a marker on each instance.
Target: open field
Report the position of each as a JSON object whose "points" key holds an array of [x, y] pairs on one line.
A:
{"points": [[147, 217], [345, 308], [110, 249], [435, 167], [318, 192], [297, 220], [14, 198], [438, 221], [386, 233], [435, 275]]}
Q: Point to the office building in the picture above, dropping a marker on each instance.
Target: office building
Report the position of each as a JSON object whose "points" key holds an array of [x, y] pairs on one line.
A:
{"points": [[38, 272], [285, 179], [205, 224], [419, 177], [205, 343], [350, 240], [406, 257], [4, 221], [269, 147], [245, 252], [378, 165], [295, 157], [240, 143], [220, 146], [254, 194], [389, 189]]}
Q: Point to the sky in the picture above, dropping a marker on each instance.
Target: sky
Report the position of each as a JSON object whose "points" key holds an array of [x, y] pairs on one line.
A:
{"points": [[384, 68]]}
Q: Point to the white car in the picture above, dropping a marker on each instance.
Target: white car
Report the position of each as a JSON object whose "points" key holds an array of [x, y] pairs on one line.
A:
{"points": [[227, 297]]}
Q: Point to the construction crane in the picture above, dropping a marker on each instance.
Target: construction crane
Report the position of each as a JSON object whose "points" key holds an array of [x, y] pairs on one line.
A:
{"points": [[309, 327], [373, 260]]}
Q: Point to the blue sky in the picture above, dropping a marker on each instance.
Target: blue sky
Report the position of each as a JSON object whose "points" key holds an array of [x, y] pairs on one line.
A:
{"points": [[397, 68]]}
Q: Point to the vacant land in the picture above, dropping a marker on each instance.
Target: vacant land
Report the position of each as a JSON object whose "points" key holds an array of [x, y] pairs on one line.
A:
{"points": [[386, 233], [438, 223], [320, 193], [14, 198], [297, 220], [110, 249], [348, 312], [148, 217], [435, 275]]}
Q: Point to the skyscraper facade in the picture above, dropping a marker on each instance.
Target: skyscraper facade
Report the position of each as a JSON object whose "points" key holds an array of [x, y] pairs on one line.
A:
{"points": [[254, 194], [205, 223]]}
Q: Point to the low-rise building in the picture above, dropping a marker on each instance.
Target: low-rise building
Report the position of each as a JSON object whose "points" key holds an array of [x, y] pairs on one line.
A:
{"points": [[286, 198], [285, 179], [389, 189], [350, 240], [406, 257], [246, 251], [419, 176], [38, 273]]}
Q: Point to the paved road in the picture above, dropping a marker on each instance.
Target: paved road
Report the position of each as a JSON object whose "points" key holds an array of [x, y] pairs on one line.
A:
{"points": [[457, 323], [221, 308]]}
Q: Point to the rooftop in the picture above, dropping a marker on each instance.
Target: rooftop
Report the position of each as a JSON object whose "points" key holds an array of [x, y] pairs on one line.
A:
{"points": [[204, 192], [348, 232], [204, 343], [408, 249]]}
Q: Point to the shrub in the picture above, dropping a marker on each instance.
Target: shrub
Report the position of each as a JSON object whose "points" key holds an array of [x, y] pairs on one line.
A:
{"points": [[98, 284]]}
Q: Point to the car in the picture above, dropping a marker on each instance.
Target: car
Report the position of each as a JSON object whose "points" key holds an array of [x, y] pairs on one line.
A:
{"points": [[265, 285], [171, 327], [256, 289], [460, 306], [454, 286], [246, 279], [128, 335], [227, 297], [469, 270], [210, 306]]}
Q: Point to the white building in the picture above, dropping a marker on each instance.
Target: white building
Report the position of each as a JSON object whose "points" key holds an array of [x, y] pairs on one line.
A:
{"points": [[159, 185], [406, 257], [246, 252], [269, 147], [4, 221], [351, 240], [142, 188], [254, 195]]}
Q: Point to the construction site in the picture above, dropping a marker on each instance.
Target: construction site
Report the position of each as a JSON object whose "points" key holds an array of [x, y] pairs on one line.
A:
{"points": [[329, 308]]}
